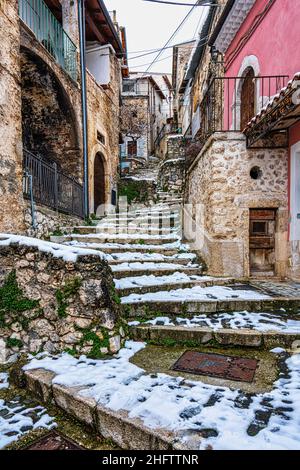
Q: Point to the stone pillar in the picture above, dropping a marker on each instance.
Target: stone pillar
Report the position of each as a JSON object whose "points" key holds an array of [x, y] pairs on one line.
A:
{"points": [[12, 204], [70, 19]]}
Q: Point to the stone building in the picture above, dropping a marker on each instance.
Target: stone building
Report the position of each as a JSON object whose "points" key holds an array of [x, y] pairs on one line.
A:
{"points": [[147, 105], [41, 143], [238, 177]]}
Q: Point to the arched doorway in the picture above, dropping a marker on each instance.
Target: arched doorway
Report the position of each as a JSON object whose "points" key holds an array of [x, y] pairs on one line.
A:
{"points": [[49, 121], [99, 181], [247, 98]]}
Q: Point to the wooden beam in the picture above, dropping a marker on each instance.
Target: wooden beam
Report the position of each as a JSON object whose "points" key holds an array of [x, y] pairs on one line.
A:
{"points": [[93, 27]]}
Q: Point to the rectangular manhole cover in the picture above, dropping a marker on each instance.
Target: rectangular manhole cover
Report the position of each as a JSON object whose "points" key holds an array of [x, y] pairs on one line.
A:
{"points": [[53, 441], [217, 365]]}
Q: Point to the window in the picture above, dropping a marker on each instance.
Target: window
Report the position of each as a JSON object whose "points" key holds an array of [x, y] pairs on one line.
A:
{"points": [[129, 86], [100, 138], [132, 148]]}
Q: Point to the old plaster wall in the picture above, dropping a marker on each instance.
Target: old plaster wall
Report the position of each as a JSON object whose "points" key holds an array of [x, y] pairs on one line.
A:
{"points": [[60, 305], [219, 182], [103, 118], [135, 117], [10, 121]]}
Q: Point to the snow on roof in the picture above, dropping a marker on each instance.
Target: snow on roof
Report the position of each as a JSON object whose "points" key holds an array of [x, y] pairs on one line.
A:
{"points": [[67, 253]]}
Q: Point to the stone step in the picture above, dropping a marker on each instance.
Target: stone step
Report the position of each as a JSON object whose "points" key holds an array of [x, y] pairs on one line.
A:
{"points": [[223, 337], [127, 229], [130, 271], [189, 308], [111, 248], [167, 286], [144, 258], [106, 238], [126, 432]]}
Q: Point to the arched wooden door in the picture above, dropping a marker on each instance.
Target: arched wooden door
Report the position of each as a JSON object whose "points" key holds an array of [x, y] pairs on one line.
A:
{"points": [[247, 98], [99, 181]]}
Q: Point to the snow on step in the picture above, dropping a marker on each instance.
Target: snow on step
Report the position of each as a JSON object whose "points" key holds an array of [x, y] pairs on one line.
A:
{"points": [[67, 253], [263, 322], [139, 256], [162, 401], [131, 246], [195, 293], [151, 280], [150, 266]]}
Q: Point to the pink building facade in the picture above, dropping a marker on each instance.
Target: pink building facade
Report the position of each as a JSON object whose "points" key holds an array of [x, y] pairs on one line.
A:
{"points": [[259, 40]]}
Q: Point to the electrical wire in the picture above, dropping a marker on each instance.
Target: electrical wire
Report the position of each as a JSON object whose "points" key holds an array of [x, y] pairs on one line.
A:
{"points": [[172, 36], [197, 4]]}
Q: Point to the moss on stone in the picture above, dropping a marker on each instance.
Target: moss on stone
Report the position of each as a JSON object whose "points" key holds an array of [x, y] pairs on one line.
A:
{"points": [[12, 299], [62, 295]]}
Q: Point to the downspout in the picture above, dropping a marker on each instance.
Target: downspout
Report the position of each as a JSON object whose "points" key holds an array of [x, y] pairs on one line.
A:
{"points": [[81, 21]]}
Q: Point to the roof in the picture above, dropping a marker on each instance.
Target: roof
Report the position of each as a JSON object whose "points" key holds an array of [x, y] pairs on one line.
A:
{"points": [[293, 84], [231, 19], [200, 48], [99, 25]]}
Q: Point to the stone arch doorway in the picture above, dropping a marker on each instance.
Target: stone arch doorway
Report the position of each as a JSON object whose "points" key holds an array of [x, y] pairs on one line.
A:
{"points": [[247, 97], [49, 122], [99, 183]]}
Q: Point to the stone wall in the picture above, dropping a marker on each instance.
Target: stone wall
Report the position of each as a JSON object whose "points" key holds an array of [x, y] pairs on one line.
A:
{"points": [[103, 118], [47, 221], [172, 169], [219, 181], [135, 122], [10, 120], [48, 304]]}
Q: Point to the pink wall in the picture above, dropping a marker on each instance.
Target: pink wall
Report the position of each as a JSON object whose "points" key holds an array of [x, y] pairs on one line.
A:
{"points": [[275, 42]]}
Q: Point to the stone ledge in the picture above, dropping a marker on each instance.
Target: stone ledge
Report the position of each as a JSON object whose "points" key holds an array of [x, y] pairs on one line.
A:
{"points": [[224, 337], [128, 433]]}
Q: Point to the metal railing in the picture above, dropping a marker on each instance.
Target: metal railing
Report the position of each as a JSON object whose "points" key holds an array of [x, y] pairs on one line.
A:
{"points": [[50, 33], [51, 187], [221, 107]]}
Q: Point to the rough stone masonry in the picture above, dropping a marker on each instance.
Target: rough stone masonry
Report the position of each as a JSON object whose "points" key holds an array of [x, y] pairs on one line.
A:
{"points": [[48, 304]]}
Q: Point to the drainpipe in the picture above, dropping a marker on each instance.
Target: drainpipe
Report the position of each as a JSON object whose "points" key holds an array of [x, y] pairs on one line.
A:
{"points": [[81, 21]]}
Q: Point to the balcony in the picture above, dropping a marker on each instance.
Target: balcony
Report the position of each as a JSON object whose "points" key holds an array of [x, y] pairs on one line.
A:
{"points": [[231, 102], [50, 33]]}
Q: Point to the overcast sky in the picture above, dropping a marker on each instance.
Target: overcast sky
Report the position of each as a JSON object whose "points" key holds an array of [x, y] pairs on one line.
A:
{"points": [[149, 26]]}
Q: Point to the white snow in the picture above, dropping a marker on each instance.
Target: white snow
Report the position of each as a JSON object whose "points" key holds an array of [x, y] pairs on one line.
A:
{"points": [[163, 401], [150, 266], [16, 419], [129, 236], [4, 380], [277, 350], [151, 280], [68, 253], [164, 246], [236, 320], [195, 293], [140, 256]]}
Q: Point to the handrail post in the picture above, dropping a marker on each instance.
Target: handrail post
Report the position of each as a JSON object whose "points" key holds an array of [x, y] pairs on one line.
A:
{"points": [[55, 186]]}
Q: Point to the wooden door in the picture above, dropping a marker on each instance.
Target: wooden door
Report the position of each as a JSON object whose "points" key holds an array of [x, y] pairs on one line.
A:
{"points": [[247, 98]]}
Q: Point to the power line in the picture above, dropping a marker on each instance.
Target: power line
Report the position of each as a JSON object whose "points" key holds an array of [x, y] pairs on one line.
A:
{"points": [[144, 65], [197, 4], [192, 46], [172, 36]]}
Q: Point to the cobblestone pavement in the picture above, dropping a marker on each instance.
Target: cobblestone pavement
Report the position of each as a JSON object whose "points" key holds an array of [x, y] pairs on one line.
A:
{"points": [[278, 288]]}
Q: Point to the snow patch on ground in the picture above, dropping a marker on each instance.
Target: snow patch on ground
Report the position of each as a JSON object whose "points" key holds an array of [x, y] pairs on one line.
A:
{"points": [[228, 419], [67, 253], [195, 293], [4, 380], [17, 419]]}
